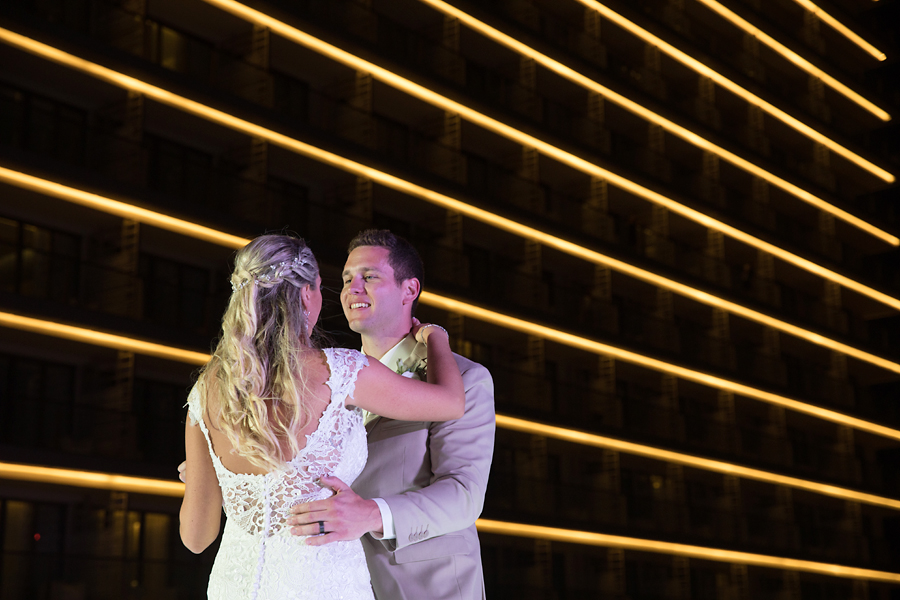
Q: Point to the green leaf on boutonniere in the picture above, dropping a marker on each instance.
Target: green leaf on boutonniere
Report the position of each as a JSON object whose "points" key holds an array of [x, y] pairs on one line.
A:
{"points": [[418, 371]]}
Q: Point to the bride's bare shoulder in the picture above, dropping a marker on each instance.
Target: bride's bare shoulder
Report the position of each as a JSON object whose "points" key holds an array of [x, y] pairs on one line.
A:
{"points": [[315, 363]]}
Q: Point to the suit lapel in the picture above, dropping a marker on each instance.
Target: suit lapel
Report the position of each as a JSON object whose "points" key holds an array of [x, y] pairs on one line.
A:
{"points": [[371, 424]]}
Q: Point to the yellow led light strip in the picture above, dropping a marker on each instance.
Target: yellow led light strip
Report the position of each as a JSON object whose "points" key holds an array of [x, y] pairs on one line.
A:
{"points": [[159, 220], [567, 158], [842, 29], [124, 343], [673, 128], [739, 91], [793, 57], [99, 338], [120, 209], [590, 439], [574, 341], [406, 187], [159, 487], [90, 336], [91, 479], [700, 552]]}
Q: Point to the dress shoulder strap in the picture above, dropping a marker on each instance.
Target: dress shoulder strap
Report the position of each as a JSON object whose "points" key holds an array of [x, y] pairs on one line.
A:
{"points": [[195, 414], [345, 365]]}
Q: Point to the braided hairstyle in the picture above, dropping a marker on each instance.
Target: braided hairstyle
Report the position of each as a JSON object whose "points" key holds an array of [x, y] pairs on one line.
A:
{"points": [[257, 371]]}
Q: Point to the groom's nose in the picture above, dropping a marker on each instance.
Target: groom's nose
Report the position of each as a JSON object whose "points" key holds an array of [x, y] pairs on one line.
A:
{"points": [[356, 285]]}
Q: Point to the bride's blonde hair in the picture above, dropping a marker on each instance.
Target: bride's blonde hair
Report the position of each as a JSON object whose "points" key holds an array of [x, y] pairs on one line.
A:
{"points": [[257, 371]]}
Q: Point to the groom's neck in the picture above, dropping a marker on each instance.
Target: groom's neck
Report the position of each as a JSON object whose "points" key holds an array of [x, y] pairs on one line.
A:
{"points": [[378, 345]]}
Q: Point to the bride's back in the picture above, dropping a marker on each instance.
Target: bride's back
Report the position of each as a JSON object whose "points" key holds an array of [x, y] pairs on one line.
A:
{"points": [[258, 557], [317, 374]]}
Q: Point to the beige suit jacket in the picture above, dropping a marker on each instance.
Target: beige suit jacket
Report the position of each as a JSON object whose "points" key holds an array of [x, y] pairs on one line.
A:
{"points": [[433, 476]]}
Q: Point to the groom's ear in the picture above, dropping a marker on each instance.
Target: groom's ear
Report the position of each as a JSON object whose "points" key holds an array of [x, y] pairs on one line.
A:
{"points": [[410, 288]]}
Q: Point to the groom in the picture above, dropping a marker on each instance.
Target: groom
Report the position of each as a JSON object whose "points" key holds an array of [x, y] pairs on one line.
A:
{"points": [[416, 502]]}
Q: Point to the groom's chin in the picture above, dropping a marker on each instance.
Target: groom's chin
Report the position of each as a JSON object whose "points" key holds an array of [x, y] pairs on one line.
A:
{"points": [[356, 326]]}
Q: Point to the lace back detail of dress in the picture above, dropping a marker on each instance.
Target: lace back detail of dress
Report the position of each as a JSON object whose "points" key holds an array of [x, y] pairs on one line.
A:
{"points": [[260, 504]]}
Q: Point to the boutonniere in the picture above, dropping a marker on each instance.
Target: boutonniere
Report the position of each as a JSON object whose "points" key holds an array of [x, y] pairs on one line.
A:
{"points": [[417, 370]]}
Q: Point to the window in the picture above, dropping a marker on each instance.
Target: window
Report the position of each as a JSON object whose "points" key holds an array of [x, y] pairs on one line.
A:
{"points": [[178, 170], [159, 407], [39, 262], [180, 295], [36, 401]]}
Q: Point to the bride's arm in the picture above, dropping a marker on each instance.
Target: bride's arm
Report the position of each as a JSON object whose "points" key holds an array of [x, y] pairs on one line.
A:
{"points": [[381, 391], [201, 509]]}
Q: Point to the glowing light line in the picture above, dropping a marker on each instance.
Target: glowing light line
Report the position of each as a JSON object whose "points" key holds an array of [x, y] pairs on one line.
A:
{"points": [[589, 439], [99, 338], [574, 341], [186, 228], [842, 29], [91, 479], [682, 132], [120, 209], [794, 58], [125, 343], [108, 340], [739, 91], [730, 556], [567, 158], [406, 187], [143, 485]]}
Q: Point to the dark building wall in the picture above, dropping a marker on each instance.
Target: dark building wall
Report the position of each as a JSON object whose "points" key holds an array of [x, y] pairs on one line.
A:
{"points": [[642, 270]]}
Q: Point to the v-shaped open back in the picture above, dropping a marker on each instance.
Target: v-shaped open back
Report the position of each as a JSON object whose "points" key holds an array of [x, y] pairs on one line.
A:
{"points": [[329, 450], [258, 505]]}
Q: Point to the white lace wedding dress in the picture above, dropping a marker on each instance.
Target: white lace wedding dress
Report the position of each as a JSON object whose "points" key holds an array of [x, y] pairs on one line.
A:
{"points": [[259, 558]]}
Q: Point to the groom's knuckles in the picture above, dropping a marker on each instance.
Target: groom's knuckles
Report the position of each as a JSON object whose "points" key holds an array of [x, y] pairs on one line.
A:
{"points": [[334, 483]]}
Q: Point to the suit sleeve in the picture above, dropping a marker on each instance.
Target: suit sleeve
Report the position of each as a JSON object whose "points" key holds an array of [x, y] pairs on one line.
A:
{"points": [[460, 452]]}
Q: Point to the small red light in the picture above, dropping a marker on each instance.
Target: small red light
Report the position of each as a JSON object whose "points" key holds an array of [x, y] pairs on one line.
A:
{"points": [[37, 537]]}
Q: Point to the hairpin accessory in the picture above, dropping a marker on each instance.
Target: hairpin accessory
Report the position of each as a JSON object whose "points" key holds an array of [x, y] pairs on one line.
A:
{"points": [[275, 271]]}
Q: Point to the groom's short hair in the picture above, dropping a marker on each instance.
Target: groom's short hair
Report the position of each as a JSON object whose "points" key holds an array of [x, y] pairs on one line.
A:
{"points": [[402, 256]]}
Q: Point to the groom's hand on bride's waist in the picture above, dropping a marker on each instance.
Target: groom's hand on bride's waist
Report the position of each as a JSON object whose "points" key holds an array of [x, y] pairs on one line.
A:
{"points": [[344, 516]]}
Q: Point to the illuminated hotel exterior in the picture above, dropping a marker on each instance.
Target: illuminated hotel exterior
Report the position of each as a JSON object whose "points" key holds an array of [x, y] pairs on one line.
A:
{"points": [[667, 227]]}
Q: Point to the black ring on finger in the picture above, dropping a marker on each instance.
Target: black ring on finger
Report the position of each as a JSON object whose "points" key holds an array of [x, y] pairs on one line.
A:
{"points": [[321, 527]]}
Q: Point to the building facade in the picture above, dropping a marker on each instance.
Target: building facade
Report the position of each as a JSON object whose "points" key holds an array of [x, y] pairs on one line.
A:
{"points": [[668, 228]]}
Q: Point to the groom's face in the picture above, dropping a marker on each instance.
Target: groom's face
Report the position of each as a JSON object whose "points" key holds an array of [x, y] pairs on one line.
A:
{"points": [[372, 299]]}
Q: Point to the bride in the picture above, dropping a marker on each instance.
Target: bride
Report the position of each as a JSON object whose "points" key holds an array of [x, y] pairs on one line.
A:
{"points": [[271, 414]]}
